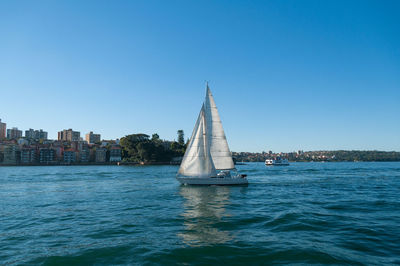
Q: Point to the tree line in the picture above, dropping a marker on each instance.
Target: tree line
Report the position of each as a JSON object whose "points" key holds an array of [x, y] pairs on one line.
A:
{"points": [[138, 148], [317, 156]]}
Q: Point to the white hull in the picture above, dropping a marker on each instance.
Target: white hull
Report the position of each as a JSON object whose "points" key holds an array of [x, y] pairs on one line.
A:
{"points": [[277, 162], [208, 181]]}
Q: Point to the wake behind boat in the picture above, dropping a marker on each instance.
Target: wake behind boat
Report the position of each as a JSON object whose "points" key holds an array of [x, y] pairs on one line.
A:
{"points": [[208, 160]]}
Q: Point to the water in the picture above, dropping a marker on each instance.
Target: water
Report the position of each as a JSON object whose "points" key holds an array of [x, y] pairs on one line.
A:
{"points": [[307, 213]]}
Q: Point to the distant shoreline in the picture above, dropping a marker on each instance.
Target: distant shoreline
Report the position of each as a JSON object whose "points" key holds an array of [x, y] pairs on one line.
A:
{"points": [[175, 164], [96, 164], [321, 156]]}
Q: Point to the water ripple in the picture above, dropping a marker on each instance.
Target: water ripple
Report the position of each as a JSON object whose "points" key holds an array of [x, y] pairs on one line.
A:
{"points": [[307, 213]]}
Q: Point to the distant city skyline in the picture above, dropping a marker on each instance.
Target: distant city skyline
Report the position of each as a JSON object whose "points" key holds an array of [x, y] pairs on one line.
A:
{"points": [[286, 75]]}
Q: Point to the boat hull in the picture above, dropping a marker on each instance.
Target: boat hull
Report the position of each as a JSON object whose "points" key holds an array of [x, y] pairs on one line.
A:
{"points": [[207, 181]]}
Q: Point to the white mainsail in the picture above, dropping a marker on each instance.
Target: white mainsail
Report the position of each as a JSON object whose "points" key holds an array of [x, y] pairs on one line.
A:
{"points": [[197, 160], [207, 149]]}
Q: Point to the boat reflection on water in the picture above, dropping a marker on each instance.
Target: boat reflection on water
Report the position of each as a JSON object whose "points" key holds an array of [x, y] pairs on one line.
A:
{"points": [[204, 209]]}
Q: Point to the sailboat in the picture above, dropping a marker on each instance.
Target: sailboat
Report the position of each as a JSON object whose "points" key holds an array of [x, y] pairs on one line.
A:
{"points": [[208, 160]]}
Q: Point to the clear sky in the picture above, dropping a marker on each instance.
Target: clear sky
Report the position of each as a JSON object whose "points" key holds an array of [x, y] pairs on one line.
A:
{"points": [[286, 75]]}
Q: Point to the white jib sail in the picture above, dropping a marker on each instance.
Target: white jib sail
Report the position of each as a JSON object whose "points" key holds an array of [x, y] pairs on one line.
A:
{"points": [[197, 161], [219, 148]]}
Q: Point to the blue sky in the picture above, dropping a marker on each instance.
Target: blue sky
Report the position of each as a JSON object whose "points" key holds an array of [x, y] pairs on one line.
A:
{"points": [[286, 75]]}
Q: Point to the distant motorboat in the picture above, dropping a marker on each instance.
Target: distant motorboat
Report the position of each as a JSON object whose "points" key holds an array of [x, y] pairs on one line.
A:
{"points": [[208, 160], [277, 161]]}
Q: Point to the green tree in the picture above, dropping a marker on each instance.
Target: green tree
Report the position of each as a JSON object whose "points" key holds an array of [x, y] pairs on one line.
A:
{"points": [[130, 147], [155, 137], [139, 148], [181, 137]]}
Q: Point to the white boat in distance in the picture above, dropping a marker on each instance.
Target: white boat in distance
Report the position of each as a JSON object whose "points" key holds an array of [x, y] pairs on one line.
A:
{"points": [[277, 161], [208, 160]]}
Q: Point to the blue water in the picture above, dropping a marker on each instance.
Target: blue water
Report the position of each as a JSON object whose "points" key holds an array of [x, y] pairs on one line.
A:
{"points": [[306, 213]]}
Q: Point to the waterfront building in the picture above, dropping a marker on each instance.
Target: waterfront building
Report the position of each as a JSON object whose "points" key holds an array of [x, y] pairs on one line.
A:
{"points": [[23, 142], [35, 134], [58, 152], [69, 156], [92, 138], [110, 142], [3, 131], [69, 135], [84, 156], [14, 133], [49, 141], [92, 155], [28, 156], [115, 154], [84, 152], [79, 145], [46, 155], [11, 154], [30, 134], [101, 155]]}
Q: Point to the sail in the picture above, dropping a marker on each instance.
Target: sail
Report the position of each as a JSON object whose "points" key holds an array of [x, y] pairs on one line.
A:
{"points": [[219, 148], [197, 160]]}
